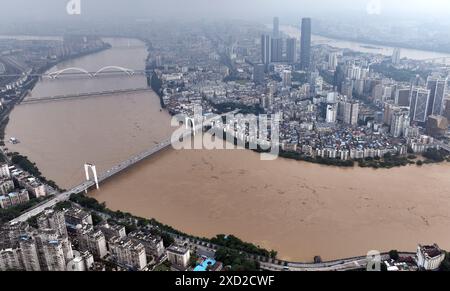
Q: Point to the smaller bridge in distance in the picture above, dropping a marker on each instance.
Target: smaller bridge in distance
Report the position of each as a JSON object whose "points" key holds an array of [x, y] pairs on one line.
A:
{"points": [[439, 60], [82, 95], [80, 72]]}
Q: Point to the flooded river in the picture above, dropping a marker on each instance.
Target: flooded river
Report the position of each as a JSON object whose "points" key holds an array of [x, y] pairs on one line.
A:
{"points": [[299, 209]]}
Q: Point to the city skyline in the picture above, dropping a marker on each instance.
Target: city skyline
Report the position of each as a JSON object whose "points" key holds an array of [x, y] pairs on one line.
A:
{"points": [[186, 137], [416, 9]]}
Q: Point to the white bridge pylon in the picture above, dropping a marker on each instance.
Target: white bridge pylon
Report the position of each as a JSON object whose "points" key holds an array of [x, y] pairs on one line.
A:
{"points": [[188, 121], [92, 167]]}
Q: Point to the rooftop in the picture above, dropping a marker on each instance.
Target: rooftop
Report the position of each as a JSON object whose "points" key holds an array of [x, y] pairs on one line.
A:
{"points": [[430, 251], [177, 249]]}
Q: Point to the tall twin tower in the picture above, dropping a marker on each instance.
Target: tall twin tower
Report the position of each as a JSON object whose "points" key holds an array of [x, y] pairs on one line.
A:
{"points": [[272, 46]]}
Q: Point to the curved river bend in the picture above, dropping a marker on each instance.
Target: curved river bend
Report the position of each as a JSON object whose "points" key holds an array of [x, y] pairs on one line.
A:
{"points": [[299, 209]]}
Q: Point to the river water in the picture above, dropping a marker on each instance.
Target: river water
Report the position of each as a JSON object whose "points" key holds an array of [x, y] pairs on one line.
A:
{"points": [[368, 48], [299, 209]]}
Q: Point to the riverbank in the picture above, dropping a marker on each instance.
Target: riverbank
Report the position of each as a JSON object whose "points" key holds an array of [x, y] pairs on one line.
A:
{"points": [[31, 83], [23, 162], [367, 43], [342, 43], [388, 161], [246, 256], [290, 206]]}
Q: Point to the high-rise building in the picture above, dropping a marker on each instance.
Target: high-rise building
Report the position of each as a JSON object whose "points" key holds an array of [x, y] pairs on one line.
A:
{"points": [[76, 216], [29, 253], [339, 76], [377, 92], [350, 112], [50, 251], [153, 244], [276, 27], [291, 50], [347, 88], [331, 113], [111, 229], [266, 54], [305, 44], [446, 112], [92, 240], [52, 219], [419, 104], [399, 122], [437, 125], [354, 72], [287, 78], [10, 260], [333, 59], [387, 93], [429, 257], [179, 256], [10, 233], [437, 87], [46, 235], [358, 87], [35, 250], [258, 73], [54, 255], [83, 261], [128, 253], [387, 113], [402, 97], [277, 50], [396, 56]]}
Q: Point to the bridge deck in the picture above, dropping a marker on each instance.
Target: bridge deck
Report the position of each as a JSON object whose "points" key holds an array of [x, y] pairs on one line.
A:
{"points": [[80, 95]]}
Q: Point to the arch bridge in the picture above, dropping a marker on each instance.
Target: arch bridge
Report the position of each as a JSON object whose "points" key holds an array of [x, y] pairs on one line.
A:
{"points": [[81, 71]]}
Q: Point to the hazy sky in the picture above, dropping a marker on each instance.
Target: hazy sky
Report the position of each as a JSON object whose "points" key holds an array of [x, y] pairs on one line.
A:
{"points": [[243, 9]]}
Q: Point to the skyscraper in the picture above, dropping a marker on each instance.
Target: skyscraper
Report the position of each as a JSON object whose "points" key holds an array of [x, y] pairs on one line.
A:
{"points": [[333, 61], [276, 28], [331, 113], [402, 96], [348, 111], [351, 112], [305, 44], [287, 78], [419, 104], [277, 50], [291, 50], [396, 56], [265, 49], [399, 122], [437, 87]]}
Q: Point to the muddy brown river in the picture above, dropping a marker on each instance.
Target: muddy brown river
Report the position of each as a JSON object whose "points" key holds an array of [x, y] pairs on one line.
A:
{"points": [[299, 209]]}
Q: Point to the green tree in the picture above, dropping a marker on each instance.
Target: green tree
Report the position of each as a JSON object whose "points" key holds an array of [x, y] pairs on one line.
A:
{"points": [[236, 260], [445, 265], [96, 219], [393, 254]]}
